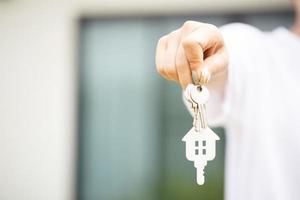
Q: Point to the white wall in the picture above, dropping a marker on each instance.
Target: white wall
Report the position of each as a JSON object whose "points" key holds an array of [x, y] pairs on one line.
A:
{"points": [[36, 101], [38, 84]]}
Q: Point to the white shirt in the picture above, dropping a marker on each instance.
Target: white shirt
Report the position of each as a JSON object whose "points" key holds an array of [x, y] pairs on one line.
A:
{"points": [[261, 114]]}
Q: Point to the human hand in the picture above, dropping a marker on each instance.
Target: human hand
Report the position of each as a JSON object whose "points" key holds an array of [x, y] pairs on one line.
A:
{"points": [[195, 47]]}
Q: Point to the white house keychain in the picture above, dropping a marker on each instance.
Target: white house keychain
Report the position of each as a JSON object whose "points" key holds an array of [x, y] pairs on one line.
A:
{"points": [[200, 140]]}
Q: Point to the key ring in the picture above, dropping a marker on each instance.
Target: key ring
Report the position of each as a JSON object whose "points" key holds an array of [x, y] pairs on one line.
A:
{"points": [[196, 81]]}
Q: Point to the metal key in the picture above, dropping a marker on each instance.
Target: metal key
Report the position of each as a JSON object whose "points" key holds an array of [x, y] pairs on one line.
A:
{"points": [[193, 105], [199, 95]]}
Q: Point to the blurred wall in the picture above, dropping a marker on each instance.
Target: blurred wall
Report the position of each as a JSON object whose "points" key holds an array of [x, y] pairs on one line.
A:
{"points": [[36, 101], [38, 85]]}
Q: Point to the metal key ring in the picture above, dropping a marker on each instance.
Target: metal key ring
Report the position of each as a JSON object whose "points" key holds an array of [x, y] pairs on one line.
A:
{"points": [[196, 81]]}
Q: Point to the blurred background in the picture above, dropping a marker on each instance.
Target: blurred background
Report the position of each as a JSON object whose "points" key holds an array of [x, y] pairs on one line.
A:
{"points": [[83, 113]]}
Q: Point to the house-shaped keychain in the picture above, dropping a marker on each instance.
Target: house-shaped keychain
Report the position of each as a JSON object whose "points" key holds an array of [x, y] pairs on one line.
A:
{"points": [[200, 148]]}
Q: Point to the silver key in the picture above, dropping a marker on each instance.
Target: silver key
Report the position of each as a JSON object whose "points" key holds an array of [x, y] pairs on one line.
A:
{"points": [[187, 95], [199, 95], [193, 105]]}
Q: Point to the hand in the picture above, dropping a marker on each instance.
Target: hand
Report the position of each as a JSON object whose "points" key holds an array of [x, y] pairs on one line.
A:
{"points": [[197, 47]]}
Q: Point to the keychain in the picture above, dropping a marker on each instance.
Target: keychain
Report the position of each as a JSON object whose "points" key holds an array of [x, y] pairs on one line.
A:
{"points": [[200, 140]]}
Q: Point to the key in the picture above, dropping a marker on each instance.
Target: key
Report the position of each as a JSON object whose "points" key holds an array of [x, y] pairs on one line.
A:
{"points": [[197, 96], [187, 95], [200, 95], [200, 140], [193, 105]]}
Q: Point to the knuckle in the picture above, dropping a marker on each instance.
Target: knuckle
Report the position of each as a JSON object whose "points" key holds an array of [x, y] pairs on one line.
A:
{"points": [[212, 27], [163, 39], [214, 30], [173, 35], [188, 42], [189, 25]]}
